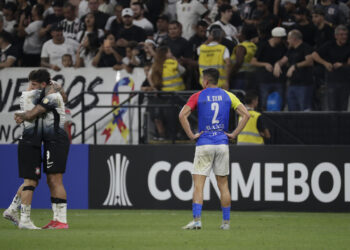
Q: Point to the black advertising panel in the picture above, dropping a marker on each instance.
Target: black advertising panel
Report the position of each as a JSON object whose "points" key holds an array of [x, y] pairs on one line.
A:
{"points": [[284, 178]]}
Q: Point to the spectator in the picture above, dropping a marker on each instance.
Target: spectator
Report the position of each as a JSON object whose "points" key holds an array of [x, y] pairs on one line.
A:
{"points": [[335, 57], [106, 7], [10, 22], [67, 61], [268, 53], [323, 32], [231, 32], [48, 10], [107, 55], [51, 19], [303, 24], [214, 55], [33, 42], [255, 130], [162, 29], [139, 19], [165, 75], [100, 17], [178, 45], [129, 32], [9, 53], [247, 9], [189, 12], [87, 51], [199, 37], [299, 74], [241, 56], [333, 14], [114, 23], [149, 51], [131, 60], [263, 14], [89, 27], [83, 8], [25, 9], [71, 23], [224, 41], [55, 48], [285, 13]]}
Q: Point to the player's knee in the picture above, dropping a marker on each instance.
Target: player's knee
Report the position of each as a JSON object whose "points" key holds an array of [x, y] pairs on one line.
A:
{"points": [[54, 180]]}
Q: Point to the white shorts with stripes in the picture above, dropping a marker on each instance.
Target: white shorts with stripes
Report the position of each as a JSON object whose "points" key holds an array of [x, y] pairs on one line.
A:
{"points": [[209, 157]]}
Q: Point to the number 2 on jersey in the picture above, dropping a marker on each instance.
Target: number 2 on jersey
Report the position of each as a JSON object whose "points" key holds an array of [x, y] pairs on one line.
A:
{"points": [[215, 107]]}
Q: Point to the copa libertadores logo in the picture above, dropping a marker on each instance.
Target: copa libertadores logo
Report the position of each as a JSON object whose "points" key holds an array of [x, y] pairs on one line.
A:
{"points": [[117, 194]]}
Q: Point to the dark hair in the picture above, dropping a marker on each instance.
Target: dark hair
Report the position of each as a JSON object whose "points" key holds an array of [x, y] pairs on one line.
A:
{"points": [[138, 4], [10, 6], [178, 24], [250, 96], [202, 23], [132, 44], [163, 17], [40, 75], [40, 9], [249, 31], [224, 8], [93, 43], [217, 34], [7, 37], [69, 5], [212, 75]]}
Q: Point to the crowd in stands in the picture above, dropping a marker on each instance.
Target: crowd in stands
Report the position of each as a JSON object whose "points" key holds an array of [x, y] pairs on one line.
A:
{"points": [[295, 53]]}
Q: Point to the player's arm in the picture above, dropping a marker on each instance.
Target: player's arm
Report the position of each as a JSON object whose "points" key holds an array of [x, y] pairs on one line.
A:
{"points": [[29, 115], [243, 112], [183, 117]]}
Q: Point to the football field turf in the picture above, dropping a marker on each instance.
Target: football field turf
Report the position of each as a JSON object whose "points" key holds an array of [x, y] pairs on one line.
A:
{"points": [[161, 229]]}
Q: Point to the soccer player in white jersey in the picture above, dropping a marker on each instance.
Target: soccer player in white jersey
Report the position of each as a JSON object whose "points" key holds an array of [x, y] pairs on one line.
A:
{"points": [[48, 130], [212, 151]]}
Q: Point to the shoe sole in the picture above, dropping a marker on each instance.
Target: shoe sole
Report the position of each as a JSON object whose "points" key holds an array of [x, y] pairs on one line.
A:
{"points": [[11, 218]]}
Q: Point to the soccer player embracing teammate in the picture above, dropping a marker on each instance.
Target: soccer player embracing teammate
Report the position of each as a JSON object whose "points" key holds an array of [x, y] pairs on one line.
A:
{"points": [[43, 115]]}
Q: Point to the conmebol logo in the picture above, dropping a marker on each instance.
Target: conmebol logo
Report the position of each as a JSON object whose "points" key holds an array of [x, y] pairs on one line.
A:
{"points": [[117, 194]]}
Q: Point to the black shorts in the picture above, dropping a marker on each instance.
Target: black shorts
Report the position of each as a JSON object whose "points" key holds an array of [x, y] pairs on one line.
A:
{"points": [[29, 159], [55, 155]]}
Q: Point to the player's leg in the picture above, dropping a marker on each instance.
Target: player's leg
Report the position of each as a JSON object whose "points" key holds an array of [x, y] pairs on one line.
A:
{"points": [[11, 213], [29, 163], [203, 159], [58, 197], [26, 201], [55, 159], [221, 170], [225, 198]]}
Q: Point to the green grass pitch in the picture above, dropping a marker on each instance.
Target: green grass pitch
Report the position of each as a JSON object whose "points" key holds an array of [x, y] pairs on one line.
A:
{"points": [[161, 229]]}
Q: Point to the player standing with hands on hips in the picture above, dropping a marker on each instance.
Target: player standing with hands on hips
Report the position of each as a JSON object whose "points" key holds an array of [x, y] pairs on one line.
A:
{"points": [[212, 151]]}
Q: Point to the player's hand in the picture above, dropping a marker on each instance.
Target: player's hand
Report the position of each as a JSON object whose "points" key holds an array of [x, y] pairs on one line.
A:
{"points": [[231, 136], [196, 136], [18, 118]]}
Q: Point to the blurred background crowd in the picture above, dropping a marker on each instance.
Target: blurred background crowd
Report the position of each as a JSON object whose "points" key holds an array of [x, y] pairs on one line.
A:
{"points": [[294, 53]]}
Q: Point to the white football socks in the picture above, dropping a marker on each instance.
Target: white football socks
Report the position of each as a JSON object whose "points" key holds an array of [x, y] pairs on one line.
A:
{"points": [[59, 212], [16, 203], [25, 212]]}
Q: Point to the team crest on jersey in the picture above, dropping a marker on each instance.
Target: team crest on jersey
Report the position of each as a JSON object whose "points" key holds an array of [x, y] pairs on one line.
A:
{"points": [[45, 101], [37, 171]]}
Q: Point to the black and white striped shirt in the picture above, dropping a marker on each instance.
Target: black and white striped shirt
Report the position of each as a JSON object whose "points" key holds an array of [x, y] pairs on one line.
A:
{"points": [[71, 28]]}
